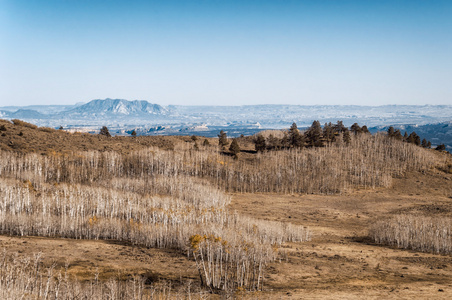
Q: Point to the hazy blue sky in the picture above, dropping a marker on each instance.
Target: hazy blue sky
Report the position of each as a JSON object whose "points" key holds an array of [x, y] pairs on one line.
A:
{"points": [[226, 52]]}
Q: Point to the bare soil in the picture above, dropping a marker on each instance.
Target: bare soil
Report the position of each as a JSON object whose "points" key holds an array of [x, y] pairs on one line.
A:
{"points": [[341, 262]]}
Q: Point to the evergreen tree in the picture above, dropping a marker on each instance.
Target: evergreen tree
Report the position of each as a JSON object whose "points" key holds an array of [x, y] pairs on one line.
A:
{"points": [[222, 140], [328, 133], [417, 140], [391, 131], [206, 142], [365, 129], [134, 133], [104, 131], [398, 135], [413, 138], [285, 140], [194, 138], [429, 145], [441, 147], [424, 143], [314, 135], [339, 127], [405, 137], [273, 142], [356, 129], [296, 139], [347, 138], [260, 143], [234, 148]]}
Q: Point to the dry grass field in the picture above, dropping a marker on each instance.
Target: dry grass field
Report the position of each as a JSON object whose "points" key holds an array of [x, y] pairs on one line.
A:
{"points": [[340, 261]]}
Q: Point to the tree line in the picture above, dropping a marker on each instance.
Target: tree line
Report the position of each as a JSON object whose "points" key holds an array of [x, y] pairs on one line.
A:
{"points": [[316, 136]]}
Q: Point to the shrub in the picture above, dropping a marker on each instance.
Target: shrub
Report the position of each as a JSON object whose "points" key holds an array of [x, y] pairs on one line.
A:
{"points": [[18, 122]]}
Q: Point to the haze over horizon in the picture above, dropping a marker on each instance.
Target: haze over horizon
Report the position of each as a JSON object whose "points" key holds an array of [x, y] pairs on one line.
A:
{"points": [[226, 52]]}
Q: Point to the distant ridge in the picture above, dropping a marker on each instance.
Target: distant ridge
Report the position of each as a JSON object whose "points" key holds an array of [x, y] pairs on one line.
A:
{"points": [[117, 107]]}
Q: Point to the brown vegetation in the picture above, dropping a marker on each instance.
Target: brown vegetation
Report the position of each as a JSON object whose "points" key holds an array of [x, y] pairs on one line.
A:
{"points": [[416, 232], [141, 192]]}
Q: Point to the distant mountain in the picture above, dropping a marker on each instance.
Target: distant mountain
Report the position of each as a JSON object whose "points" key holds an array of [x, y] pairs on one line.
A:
{"points": [[22, 114], [111, 107], [147, 118], [43, 109]]}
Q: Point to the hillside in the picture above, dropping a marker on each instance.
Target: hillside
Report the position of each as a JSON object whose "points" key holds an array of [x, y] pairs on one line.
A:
{"points": [[25, 137], [440, 133], [161, 217]]}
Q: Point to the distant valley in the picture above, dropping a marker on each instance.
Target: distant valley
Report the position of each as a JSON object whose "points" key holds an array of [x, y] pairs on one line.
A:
{"points": [[122, 117]]}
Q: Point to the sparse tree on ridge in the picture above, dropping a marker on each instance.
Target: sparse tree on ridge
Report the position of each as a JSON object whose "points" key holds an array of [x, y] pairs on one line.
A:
{"points": [[346, 137], [441, 147], [398, 135], [328, 133], [314, 135], [339, 127], [355, 128], [295, 137], [104, 131], [259, 143], [285, 140], [424, 143], [234, 148], [391, 131], [273, 142], [222, 140]]}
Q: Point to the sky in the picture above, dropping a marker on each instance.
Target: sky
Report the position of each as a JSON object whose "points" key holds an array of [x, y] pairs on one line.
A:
{"points": [[226, 52]]}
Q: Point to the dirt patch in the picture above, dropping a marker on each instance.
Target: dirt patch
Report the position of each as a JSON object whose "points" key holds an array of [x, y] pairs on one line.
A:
{"points": [[85, 259], [341, 262]]}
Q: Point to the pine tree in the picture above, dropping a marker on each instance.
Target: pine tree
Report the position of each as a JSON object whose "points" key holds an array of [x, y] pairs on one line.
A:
{"points": [[296, 140], [222, 140], [339, 127], [273, 142], [391, 131], [398, 135], [260, 143], [104, 131], [206, 142], [424, 143], [285, 140], [355, 128], [134, 133], [328, 133], [314, 135], [441, 147], [347, 138], [234, 148], [413, 138], [405, 137], [365, 129]]}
